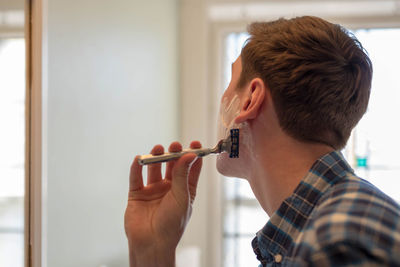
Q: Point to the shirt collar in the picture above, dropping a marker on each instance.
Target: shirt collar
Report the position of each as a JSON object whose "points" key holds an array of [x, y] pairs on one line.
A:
{"points": [[287, 222]]}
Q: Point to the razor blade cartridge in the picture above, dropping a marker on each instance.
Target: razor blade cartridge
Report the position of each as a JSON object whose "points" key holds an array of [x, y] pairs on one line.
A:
{"points": [[234, 143]]}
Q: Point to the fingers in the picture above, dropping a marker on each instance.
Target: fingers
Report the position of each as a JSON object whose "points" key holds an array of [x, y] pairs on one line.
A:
{"points": [[135, 176], [154, 170], [180, 174], [195, 145], [194, 172], [174, 147]]}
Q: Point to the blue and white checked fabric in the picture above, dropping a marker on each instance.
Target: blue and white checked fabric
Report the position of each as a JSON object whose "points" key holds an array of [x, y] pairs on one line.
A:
{"points": [[333, 218]]}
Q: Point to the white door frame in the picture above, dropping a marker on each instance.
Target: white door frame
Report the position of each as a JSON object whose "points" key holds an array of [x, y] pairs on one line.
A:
{"points": [[35, 166]]}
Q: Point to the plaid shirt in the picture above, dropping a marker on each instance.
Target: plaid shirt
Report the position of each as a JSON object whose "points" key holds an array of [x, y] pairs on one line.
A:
{"points": [[333, 218]]}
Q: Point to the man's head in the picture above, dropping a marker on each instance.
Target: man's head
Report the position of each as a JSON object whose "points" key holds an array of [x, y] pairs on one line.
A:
{"points": [[304, 79], [318, 74]]}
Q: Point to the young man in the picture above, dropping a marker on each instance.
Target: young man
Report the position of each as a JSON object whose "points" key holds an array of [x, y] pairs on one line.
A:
{"points": [[297, 90]]}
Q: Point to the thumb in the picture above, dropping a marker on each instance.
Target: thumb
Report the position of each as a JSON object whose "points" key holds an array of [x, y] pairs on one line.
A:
{"points": [[180, 174]]}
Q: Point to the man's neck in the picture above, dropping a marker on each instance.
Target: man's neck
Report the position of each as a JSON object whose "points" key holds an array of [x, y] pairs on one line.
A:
{"points": [[279, 167]]}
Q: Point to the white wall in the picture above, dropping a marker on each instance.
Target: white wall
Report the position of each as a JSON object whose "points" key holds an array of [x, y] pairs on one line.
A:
{"points": [[112, 93], [199, 110]]}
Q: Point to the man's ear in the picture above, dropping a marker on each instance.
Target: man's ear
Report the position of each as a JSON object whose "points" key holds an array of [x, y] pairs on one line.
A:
{"points": [[254, 99]]}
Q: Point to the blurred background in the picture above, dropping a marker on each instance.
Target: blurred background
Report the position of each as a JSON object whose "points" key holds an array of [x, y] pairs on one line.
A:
{"points": [[120, 76]]}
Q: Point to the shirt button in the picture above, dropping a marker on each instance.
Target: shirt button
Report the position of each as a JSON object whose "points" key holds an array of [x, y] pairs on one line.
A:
{"points": [[278, 258]]}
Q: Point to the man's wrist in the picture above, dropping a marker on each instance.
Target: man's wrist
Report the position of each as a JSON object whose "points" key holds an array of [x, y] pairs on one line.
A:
{"points": [[154, 256]]}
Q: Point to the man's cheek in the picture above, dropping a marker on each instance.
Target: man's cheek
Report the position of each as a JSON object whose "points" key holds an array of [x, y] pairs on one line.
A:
{"points": [[227, 114]]}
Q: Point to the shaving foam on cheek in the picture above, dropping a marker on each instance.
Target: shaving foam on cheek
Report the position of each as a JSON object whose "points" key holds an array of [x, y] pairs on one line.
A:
{"points": [[227, 115], [229, 110], [226, 121]]}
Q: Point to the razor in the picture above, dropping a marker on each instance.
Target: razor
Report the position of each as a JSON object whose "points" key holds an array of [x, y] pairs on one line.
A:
{"points": [[229, 145]]}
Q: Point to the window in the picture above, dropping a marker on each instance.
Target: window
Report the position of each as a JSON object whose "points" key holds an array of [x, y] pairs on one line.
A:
{"points": [[12, 152], [243, 214], [372, 149], [376, 138]]}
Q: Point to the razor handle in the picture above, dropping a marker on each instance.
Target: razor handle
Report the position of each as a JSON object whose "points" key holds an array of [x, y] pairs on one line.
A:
{"points": [[151, 159]]}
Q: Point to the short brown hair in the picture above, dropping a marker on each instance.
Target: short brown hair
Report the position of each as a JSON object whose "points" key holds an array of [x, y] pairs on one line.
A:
{"points": [[318, 73]]}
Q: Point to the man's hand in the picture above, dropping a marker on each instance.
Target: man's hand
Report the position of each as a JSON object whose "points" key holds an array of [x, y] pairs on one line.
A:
{"points": [[157, 214]]}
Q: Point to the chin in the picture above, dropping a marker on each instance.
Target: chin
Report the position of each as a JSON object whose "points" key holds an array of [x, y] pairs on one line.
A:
{"points": [[227, 166]]}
